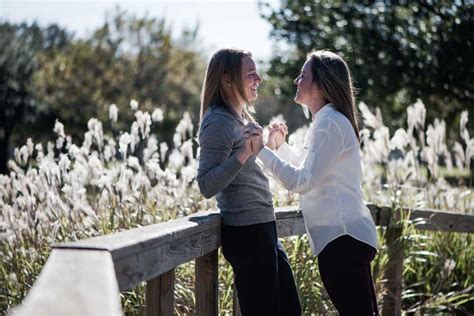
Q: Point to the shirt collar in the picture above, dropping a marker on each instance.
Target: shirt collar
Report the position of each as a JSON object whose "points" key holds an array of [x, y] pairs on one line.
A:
{"points": [[325, 108]]}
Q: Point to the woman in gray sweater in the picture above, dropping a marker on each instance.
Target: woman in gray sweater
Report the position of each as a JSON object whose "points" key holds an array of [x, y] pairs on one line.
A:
{"points": [[227, 170]]}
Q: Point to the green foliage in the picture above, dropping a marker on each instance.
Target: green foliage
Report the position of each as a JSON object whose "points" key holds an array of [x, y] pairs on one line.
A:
{"points": [[398, 50], [88, 190], [435, 256], [18, 63], [127, 58], [46, 74]]}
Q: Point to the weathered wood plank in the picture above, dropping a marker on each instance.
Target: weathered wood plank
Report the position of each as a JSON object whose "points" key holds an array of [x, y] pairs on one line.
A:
{"points": [[135, 240], [289, 221], [144, 253], [74, 282], [159, 296], [392, 298], [206, 287], [442, 221], [381, 217], [426, 219], [153, 261]]}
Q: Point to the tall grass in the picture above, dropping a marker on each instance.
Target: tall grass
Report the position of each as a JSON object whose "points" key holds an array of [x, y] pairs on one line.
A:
{"points": [[116, 181]]}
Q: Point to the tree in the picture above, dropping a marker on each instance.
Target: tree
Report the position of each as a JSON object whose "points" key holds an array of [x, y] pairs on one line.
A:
{"points": [[398, 50], [18, 63], [46, 74], [126, 58]]}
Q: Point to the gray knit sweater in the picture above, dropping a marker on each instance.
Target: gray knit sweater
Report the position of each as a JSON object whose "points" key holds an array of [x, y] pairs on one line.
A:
{"points": [[242, 191]]}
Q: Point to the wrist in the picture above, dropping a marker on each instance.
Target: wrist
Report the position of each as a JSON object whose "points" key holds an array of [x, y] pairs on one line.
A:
{"points": [[243, 155], [270, 146], [259, 149], [279, 145]]}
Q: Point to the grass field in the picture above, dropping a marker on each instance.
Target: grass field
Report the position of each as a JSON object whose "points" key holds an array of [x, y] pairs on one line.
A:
{"points": [[68, 192]]}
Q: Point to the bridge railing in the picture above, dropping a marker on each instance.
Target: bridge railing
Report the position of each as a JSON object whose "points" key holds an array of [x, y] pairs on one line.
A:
{"points": [[85, 277]]}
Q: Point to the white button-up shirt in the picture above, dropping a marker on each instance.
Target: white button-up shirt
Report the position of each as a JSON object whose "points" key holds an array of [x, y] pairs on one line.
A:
{"points": [[327, 174]]}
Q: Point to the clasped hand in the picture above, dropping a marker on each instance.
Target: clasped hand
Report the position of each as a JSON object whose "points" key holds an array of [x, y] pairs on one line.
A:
{"points": [[277, 136], [253, 137]]}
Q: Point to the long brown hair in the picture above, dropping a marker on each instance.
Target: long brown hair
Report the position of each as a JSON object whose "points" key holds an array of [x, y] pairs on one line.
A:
{"points": [[226, 62], [332, 76]]}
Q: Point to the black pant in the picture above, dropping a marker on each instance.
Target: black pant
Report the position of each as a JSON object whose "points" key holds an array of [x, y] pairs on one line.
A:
{"points": [[344, 265], [263, 276]]}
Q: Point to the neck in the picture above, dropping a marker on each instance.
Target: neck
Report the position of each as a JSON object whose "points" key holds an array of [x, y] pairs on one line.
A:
{"points": [[237, 104], [238, 109], [317, 105]]}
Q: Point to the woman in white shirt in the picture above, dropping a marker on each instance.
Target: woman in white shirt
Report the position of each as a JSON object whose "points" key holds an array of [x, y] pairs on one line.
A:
{"points": [[327, 174]]}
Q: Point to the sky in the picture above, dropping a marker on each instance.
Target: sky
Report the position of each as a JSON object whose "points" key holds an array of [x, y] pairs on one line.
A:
{"points": [[223, 23]]}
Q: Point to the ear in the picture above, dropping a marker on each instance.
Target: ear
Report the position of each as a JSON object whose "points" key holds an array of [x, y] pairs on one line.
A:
{"points": [[315, 89]]}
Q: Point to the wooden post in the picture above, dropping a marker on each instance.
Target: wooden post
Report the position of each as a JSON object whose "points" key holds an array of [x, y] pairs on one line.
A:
{"points": [[160, 295], [236, 305], [392, 299], [206, 287]]}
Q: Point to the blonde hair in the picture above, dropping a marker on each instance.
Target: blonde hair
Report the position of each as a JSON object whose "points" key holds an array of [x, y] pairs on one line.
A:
{"points": [[225, 63], [332, 76]]}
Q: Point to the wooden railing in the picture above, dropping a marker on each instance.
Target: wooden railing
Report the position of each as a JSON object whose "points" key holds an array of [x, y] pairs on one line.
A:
{"points": [[86, 277]]}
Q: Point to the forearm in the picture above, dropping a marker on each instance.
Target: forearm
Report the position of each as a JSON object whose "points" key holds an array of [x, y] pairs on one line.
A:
{"points": [[213, 180], [294, 179], [286, 153]]}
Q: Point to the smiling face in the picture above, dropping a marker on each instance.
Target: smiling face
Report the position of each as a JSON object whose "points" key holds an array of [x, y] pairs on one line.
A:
{"points": [[250, 78], [306, 87]]}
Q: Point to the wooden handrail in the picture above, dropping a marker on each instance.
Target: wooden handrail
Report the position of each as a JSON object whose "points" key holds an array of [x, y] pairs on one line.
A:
{"points": [[85, 277], [74, 282]]}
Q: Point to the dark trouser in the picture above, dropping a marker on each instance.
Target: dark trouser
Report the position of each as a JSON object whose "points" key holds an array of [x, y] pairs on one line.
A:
{"points": [[263, 276], [344, 265]]}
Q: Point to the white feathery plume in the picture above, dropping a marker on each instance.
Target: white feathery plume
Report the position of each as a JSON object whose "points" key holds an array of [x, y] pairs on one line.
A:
{"points": [[113, 112], [133, 104]]}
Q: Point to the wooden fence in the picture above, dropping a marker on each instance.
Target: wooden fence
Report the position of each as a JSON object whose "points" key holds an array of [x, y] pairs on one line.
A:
{"points": [[86, 277]]}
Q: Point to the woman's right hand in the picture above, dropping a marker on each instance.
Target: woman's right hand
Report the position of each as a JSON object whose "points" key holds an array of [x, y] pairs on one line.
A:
{"points": [[277, 136]]}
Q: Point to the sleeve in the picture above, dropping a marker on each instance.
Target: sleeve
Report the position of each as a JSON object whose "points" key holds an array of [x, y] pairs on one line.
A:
{"points": [[326, 146], [287, 154], [217, 167]]}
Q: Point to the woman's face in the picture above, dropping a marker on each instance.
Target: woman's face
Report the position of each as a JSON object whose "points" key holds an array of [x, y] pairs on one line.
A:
{"points": [[306, 88], [250, 78]]}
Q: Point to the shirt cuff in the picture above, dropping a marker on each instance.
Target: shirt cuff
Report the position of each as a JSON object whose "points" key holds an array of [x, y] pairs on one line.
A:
{"points": [[284, 152], [266, 156]]}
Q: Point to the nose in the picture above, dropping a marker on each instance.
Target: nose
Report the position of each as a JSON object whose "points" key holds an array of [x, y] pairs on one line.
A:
{"points": [[259, 79], [296, 80]]}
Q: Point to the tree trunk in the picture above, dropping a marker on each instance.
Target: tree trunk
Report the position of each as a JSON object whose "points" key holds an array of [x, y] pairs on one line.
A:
{"points": [[4, 150]]}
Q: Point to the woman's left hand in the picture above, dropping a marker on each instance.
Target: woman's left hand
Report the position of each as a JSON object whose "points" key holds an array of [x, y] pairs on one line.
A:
{"points": [[254, 132], [257, 144]]}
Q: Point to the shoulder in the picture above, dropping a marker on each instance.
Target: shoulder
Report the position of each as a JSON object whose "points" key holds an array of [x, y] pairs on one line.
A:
{"points": [[216, 118], [332, 119], [218, 123]]}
